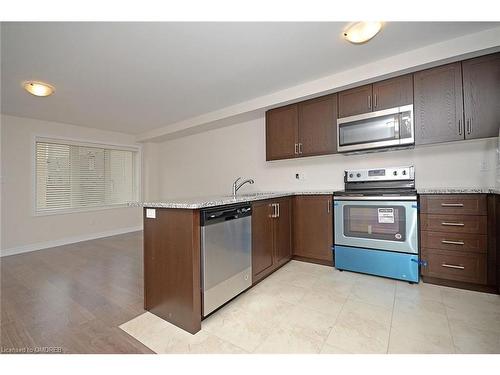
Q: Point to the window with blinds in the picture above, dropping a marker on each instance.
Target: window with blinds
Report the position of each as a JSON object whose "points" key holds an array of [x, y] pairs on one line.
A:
{"points": [[71, 176]]}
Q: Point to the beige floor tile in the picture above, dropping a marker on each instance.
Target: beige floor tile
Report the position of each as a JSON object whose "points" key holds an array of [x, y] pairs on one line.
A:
{"points": [[247, 325], [200, 343], [410, 341], [324, 300], [411, 307], [473, 316], [361, 328], [330, 349], [316, 269], [465, 300], [379, 294], [316, 325], [337, 284], [277, 289], [290, 339], [419, 292], [296, 278], [470, 340]]}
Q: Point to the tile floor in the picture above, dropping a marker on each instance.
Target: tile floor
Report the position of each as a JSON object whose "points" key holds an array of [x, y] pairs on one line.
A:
{"points": [[308, 308]]}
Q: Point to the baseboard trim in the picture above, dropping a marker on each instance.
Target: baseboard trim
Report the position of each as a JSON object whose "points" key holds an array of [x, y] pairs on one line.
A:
{"points": [[66, 241]]}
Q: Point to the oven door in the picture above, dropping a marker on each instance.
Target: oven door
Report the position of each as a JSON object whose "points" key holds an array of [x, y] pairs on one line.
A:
{"points": [[382, 225]]}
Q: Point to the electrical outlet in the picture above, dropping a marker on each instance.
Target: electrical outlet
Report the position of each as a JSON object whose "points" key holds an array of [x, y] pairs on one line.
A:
{"points": [[299, 176]]}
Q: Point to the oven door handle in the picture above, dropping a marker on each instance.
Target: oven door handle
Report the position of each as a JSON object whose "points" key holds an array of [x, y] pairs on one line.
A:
{"points": [[378, 198]]}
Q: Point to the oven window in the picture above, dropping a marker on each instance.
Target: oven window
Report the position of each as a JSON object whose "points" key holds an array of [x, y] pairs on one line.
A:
{"points": [[375, 222]]}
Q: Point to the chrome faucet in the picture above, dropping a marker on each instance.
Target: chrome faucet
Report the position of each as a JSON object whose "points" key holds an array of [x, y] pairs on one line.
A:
{"points": [[237, 186]]}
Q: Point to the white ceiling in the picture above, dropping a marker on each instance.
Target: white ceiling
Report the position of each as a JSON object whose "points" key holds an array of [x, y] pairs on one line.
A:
{"points": [[134, 77]]}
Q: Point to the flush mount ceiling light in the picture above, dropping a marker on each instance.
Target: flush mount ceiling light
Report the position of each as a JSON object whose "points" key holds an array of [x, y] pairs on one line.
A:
{"points": [[38, 88], [361, 32]]}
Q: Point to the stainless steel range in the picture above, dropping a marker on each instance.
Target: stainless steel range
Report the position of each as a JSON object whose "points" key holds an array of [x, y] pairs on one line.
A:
{"points": [[376, 223]]}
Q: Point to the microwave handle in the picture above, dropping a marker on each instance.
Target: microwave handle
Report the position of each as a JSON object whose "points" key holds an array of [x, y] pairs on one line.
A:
{"points": [[397, 120]]}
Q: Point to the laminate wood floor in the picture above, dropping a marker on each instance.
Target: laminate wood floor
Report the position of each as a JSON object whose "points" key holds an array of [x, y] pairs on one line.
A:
{"points": [[73, 297]]}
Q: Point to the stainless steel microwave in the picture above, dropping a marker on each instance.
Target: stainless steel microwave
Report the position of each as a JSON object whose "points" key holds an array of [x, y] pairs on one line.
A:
{"points": [[389, 128]]}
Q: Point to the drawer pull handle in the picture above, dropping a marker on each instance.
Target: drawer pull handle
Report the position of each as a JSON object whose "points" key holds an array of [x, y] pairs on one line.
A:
{"points": [[453, 224], [453, 242], [452, 266], [452, 204]]}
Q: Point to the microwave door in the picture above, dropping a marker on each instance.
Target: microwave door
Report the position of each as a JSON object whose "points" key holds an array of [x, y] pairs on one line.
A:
{"points": [[385, 128], [370, 131]]}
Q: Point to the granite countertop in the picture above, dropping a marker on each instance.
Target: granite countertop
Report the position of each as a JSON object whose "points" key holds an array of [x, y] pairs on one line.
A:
{"points": [[221, 200], [446, 190]]}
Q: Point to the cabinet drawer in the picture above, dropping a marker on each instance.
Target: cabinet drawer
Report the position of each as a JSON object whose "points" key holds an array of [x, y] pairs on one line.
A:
{"points": [[451, 265], [462, 204], [454, 223], [476, 243]]}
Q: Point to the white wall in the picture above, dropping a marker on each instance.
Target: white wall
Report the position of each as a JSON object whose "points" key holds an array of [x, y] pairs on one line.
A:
{"points": [[207, 163], [21, 230]]}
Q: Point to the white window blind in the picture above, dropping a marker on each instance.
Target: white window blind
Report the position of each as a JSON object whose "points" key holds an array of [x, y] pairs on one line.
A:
{"points": [[71, 176]]}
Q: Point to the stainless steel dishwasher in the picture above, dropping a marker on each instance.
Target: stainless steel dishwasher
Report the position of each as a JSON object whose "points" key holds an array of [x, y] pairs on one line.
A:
{"points": [[226, 254]]}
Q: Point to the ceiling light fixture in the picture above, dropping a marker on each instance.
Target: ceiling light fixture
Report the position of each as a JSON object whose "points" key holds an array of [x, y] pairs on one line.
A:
{"points": [[361, 32], [38, 88]]}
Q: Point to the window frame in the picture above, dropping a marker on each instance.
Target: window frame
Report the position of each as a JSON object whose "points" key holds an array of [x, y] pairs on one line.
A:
{"points": [[83, 143]]}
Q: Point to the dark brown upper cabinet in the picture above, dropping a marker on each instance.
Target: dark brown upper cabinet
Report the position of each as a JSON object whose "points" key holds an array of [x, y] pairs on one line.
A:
{"points": [[394, 92], [282, 132], [355, 101], [318, 126], [438, 106], [390, 93], [481, 80], [304, 129]]}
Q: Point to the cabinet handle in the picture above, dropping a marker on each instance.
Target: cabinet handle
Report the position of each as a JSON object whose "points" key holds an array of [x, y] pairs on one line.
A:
{"points": [[369, 102], [375, 100], [300, 148], [469, 126], [273, 215], [452, 204], [328, 206], [452, 266], [452, 224], [278, 209], [296, 148], [448, 242], [460, 127]]}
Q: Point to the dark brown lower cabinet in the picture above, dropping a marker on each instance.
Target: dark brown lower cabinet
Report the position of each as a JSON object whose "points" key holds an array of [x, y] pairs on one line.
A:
{"points": [[271, 236], [458, 240], [313, 228], [172, 267]]}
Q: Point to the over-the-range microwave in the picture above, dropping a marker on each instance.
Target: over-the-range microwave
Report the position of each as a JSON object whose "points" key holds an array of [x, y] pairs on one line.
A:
{"points": [[380, 130]]}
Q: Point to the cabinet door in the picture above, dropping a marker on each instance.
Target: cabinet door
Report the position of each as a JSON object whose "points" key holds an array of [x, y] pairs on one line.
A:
{"points": [[283, 232], [482, 96], [313, 229], [394, 92], [282, 132], [318, 126], [355, 101], [439, 105], [262, 240]]}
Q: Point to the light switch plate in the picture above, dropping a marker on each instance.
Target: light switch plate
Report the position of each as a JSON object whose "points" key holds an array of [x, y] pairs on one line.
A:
{"points": [[151, 213]]}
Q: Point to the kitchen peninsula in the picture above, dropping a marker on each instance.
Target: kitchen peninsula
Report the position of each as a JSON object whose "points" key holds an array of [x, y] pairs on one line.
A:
{"points": [[172, 240]]}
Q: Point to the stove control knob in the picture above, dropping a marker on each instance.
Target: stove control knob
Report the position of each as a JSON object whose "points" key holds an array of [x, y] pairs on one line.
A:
{"points": [[404, 172], [350, 175], [395, 173], [358, 175]]}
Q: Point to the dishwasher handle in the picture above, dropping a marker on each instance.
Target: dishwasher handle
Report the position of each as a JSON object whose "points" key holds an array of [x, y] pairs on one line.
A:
{"points": [[214, 216]]}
